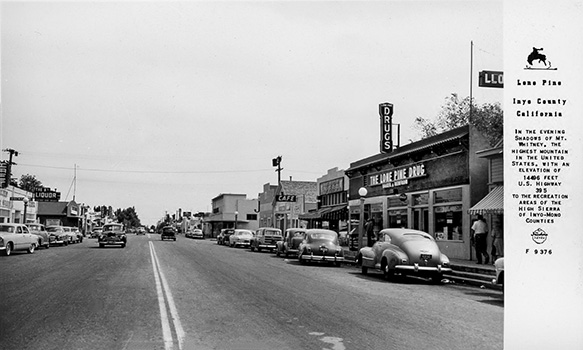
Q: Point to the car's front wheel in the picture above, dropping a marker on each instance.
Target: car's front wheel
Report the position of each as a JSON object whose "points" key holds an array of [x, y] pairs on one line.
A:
{"points": [[31, 248], [388, 273], [8, 249]]}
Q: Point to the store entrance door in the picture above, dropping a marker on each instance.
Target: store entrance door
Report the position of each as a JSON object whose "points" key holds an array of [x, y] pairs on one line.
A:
{"points": [[421, 219]]}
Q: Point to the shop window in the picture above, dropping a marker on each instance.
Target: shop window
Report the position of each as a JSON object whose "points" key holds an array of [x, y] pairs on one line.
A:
{"points": [[448, 223], [397, 201], [398, 218], [448, 196], [420, 199]]}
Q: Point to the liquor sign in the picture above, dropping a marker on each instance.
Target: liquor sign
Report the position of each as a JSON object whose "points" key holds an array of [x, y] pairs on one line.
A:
{"points": [[491, 79], [45, 194], [386, 113], [285, 198]]}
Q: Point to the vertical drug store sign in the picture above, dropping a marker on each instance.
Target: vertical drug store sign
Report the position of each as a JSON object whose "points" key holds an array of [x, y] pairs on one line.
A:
{"points": [[543, 149]]}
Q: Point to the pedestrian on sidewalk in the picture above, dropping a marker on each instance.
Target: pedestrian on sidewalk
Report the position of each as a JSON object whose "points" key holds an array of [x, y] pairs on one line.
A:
{"points": [[497, 240], [369, 228], [480, 235]]}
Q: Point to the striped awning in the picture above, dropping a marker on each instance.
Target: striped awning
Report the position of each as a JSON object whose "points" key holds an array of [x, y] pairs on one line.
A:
{"points": [[492, 203]]}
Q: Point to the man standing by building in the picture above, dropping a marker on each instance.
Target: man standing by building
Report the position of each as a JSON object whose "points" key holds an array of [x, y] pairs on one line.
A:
{"points": [[369, 229], [480, 235]]}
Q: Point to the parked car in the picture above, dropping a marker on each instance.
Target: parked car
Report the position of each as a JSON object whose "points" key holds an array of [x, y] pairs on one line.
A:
{"points": [[223, 237], [197, 234], [168, 232], [141, 231], [43, 236], [97, 231], [292, 239], [72, 236], [404, 251], [266, 238], [499, 266], [15, 237], [57, 235], [78, 233], [321, 245], [241, 238], [113, 234]]}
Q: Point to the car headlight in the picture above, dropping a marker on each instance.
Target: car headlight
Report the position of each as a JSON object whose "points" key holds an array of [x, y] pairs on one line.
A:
{"points": [[308, 249]]}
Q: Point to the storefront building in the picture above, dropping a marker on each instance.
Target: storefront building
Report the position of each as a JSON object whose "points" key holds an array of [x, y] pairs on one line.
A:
{"points": [[266, 207], [60, 213], [491, 207], [15, 203], [293, 199], [231, 210], [332, 197], [428, 185]]}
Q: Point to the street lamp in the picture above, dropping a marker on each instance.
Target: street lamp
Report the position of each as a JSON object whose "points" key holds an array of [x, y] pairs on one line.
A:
{"points": [[25, 200], [236, 215], [362, 192]]}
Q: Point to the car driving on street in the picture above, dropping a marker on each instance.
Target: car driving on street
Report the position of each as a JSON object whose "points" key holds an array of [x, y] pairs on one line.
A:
{"points": [[113, 234], [168, 232]]}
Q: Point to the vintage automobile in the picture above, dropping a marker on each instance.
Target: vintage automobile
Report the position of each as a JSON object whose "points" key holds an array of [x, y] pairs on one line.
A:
{"points": [[141, 231], [96, 232], [72, 236], [15, 237], [320, 245], [404, 251], [43, 236], [266, 238], [113, 234], [78, 233], [168, 232], [499, 266], [57, 235], [197, 234], [241, 238], [292, 239], [223, 237]]}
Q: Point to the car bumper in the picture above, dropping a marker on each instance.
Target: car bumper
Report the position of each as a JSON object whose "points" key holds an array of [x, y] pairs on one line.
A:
{"points": [[242, 244], [267, 246], [423, 269], [313, 257]]}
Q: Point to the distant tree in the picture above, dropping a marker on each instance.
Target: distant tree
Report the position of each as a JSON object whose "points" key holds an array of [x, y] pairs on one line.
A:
{"points": [[128, 217], [29, 183], [488, 118]]}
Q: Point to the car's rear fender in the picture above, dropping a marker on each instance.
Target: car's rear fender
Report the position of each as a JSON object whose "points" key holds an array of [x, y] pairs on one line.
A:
{"points": [[394, 256]]}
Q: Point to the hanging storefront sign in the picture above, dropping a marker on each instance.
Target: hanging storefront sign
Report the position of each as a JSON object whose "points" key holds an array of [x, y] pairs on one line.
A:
{"points": [[286, 198], [397, 177], [494, 79], [386, 113]]}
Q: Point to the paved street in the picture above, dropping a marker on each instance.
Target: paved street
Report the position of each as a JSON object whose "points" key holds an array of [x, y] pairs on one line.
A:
{"points": [[193, 294]]}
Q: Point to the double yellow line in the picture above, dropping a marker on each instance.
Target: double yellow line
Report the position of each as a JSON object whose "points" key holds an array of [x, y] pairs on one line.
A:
{"points": [[165, 296]]}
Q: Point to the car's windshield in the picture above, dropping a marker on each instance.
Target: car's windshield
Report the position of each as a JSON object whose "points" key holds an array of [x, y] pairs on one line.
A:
{"points": [[54, 229], [6, 228], [323, 236], [272, 233], [35, 227], [112, 228]]}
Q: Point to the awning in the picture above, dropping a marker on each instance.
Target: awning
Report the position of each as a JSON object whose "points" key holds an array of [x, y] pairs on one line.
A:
{"points": [[492, 203], [312, 215], [339, 212]]}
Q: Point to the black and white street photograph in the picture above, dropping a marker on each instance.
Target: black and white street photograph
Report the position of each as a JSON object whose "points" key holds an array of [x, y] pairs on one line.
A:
{"points": [[258, 175]]}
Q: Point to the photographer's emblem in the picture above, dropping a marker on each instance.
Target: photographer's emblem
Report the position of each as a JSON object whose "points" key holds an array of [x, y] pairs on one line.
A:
{"points": [[539, 236]]}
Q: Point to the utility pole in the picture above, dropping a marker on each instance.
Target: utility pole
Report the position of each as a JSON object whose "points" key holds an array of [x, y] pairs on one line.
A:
{"points": [[9, 165]]}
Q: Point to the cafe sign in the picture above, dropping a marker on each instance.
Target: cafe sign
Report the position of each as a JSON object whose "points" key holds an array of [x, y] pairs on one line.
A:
{"points": [[398, 176]]}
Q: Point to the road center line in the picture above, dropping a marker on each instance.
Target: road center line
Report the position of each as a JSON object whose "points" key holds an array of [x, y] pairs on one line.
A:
{"points": [[173, 311], [166, 331]]}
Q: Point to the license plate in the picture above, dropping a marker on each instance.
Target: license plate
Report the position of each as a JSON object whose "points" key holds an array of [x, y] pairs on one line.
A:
{"points": [[425, 256]]}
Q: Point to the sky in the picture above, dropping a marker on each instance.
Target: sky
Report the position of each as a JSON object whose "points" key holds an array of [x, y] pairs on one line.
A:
{"points": [[166, 105]]}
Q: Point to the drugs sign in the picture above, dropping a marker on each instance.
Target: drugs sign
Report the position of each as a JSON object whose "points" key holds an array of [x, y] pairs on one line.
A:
{"points": [[386, 113]]}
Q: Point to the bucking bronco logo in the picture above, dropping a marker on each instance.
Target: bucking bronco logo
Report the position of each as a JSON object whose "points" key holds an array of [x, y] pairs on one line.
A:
{"points": [[539, 236], [538, 60]]}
